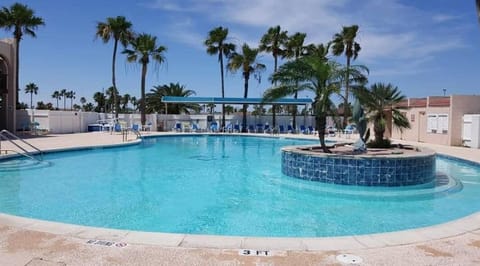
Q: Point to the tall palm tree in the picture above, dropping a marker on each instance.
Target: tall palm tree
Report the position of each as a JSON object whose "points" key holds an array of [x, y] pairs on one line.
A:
{"points": [[56, 95], [478, 10], [381, 101], [315, 75], [295, 49], [63, 94], [120, 30], [319, 50], [70, 95], [344, 42], [83, 101], [144, 48], [217, 45], [274, 41], [31, 88], [22, 20], [247, 62], [155, 104]]}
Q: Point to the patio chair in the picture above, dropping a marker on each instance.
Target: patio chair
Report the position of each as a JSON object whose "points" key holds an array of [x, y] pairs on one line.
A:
{"points": [[214, 127], [290, 129], [303, 130], [311, 130], [236, 128], [178, 127], [267, 129], [195, 128], [135, 127]]}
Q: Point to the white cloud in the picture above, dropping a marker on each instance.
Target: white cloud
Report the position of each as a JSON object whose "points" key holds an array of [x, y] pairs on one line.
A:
{"points": [[389, 30]]}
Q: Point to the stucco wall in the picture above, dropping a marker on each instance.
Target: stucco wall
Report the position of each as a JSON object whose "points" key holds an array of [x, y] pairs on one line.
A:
{"points": [[7, 113], [462, 104]]}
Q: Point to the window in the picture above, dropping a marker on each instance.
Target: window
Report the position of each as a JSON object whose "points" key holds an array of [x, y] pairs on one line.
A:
{"points": [[437, 123], [432, 124]]}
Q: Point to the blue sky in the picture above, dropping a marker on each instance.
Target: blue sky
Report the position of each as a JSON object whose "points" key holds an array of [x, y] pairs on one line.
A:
{"points": [[422, 47]]}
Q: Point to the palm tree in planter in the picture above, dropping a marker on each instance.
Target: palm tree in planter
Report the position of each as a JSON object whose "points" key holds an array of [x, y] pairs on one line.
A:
{"points": [[31, 88], [247, 62], [310, 73], [381, 103], [22, 20], [144, 49], [217, 45]]}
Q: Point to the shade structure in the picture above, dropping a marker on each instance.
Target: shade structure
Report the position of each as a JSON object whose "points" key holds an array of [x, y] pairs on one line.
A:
{"points": [[218, 100]]}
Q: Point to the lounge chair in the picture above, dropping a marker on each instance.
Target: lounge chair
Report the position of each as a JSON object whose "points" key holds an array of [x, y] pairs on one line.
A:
{"points": [[214, 127], [311, 130], [267, 129], [251, 129], [135, 127], [303, 130], [236, 128], [281, 129], [259, 128], [290, 129], [178, 127], [195, 128], [229, 128]]}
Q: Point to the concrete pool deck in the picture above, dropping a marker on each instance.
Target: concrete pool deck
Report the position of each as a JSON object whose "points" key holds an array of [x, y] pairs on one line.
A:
{"points": [[34, 242]]}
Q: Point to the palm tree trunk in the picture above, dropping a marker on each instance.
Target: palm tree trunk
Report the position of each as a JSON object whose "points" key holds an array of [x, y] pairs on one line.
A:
{"points": [[274, 111], [346, 108], [320, 123], [31, 100], [245, 95], [142, 99], [64, 103], [114, 58], [17, 67], [223, 88]]}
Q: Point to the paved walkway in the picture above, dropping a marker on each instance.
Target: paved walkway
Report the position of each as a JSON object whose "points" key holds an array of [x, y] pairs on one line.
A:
{"points": [[33, 242]]}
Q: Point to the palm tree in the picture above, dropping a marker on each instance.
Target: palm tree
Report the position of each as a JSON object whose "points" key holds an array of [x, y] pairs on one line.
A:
{"points": [[31, 88], [217, 45], [273, 41], [120, 29], [295, 49], [478, 10], [344, 42], [113, 95], [124, 101], [247, 62], [99, 98], [381, 101], [56, 95], [63, 93], [155, 104], [134, 102], [70, 95], [83, 101], [22, 20], [320, 50], [315, 75], [144, 47]]}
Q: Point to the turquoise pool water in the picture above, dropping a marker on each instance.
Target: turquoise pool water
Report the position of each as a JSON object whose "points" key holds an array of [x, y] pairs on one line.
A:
{"points": [[225, 185]]}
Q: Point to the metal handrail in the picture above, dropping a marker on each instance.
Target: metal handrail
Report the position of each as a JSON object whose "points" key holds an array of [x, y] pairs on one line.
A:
{"points": [[7, 135], [24, 154]]}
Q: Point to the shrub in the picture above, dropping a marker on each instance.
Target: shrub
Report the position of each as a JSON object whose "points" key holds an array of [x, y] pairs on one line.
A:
{"points": [[383, 143]]}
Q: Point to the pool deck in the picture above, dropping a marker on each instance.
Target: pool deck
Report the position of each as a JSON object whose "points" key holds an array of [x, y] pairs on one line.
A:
{"points": [[34, 242]]}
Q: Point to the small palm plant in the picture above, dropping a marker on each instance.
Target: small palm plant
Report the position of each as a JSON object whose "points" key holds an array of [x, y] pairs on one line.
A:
{"points": [[380, 102]]}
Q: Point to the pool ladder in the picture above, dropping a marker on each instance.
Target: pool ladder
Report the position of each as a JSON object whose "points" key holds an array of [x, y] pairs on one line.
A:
{"points": [[17, 141]]}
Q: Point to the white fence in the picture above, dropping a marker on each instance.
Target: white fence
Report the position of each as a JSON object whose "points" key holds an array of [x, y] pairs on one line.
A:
{"points": [[60, 122]]}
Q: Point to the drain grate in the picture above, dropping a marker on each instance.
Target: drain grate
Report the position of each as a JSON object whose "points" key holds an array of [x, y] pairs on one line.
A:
{"points": [[349, 259]]}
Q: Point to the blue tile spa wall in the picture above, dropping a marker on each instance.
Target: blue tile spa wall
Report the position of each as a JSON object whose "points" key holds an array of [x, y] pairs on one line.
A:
{"points": [[362, 171]]}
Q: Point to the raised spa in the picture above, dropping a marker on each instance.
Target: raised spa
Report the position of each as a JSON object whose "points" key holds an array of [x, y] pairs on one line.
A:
{"points": [[375, 168]]}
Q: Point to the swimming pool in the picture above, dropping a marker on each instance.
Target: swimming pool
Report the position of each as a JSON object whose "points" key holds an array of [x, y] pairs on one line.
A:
{"points": [[225, 185]]}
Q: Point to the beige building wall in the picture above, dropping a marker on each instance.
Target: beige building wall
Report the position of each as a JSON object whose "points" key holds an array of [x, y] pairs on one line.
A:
{"points": [[418, 117], [462, 104], [7, 66]]}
